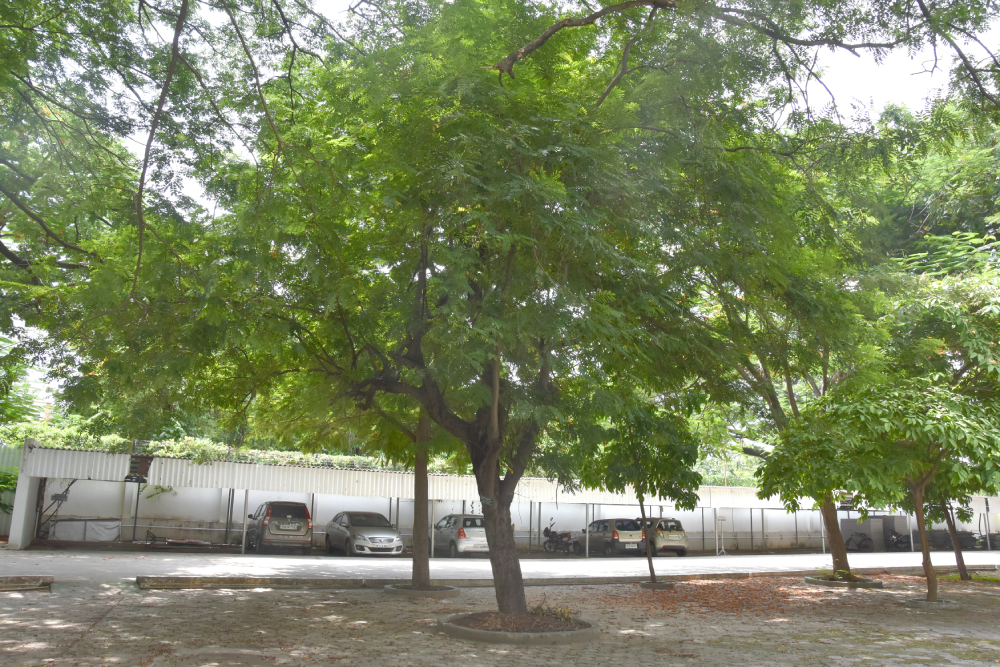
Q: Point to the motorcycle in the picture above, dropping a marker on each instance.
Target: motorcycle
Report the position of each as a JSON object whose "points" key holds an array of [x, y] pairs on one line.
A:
{"points": [[898, 541], [555, 541]]}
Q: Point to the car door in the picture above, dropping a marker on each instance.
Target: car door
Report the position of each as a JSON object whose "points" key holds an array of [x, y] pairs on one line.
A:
{"points": [[440, 534], [603, 535], [253, 526], [592, 541], [344, 529], [333, 530]]}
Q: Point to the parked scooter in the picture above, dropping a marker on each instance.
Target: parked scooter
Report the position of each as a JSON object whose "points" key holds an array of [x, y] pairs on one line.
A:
{"points": [[556, 541]]}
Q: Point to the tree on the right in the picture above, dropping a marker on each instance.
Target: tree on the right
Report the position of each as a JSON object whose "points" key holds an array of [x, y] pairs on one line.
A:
{"points": [[919, 424]]}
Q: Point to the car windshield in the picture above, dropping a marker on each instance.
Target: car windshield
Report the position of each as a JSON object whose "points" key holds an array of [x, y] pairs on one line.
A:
{"points": [[670, 525], [369, 521], [472, 523], [627, 524], [288, 511]]}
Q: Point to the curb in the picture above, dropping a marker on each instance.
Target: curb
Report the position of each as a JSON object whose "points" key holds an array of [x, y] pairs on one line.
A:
{"points": [[170, 582], [448, 592], [25, 583], [863, 583], [589, 633]]}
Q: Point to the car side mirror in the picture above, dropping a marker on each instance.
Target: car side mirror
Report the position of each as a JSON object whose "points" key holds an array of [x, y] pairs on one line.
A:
{"points": [[394, 527], [249, 516]]}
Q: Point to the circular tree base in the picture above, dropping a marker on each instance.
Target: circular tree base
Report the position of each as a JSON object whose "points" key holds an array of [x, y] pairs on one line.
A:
{"points": [[436, 592], [585, 634], [860, 583], [656, 586], [925, 605]]}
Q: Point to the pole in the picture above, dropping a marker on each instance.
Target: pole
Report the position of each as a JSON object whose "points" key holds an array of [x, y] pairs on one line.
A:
{"points": [[397, 515], [246, 502], [715, 516], [751, 528], [822, 532], [586, 530], [702, 528], [433, 528], [531, 525], [989, 547], [763, 531], [135, 519], [229, 516], [796, 515], [909, 529]]}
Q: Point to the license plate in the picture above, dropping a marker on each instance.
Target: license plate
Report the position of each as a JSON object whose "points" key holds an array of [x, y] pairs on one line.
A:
{"points": [[288, 526], [631, 546], [479, 546], [675, 537]]}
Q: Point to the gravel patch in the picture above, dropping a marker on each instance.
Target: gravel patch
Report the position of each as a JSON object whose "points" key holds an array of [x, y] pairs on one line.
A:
{"points": [[773, 621]]}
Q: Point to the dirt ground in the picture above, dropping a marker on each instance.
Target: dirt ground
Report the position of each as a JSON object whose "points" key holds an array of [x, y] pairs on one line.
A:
{"points": [[765, 621]]}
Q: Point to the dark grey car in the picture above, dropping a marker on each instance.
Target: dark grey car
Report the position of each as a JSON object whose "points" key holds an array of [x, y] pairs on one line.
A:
{"points": [[363, 533], [612, 536], [280, 524]]}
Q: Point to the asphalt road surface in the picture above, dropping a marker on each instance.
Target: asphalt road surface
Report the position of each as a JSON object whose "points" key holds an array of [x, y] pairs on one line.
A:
{"points": [[104, 567]]}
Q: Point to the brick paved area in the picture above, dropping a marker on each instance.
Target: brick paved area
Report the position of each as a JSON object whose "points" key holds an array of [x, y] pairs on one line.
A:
{"points": [[773, 621]]}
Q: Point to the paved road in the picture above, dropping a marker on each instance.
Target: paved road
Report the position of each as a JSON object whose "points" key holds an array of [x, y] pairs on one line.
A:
{"points": [[104, 567]]}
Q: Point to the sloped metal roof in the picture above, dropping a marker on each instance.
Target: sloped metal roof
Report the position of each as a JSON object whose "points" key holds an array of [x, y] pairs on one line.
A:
{"points": [[163, 471]]}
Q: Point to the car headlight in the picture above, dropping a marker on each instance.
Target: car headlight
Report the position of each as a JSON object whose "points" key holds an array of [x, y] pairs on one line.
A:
{"points": [[358, 538]]}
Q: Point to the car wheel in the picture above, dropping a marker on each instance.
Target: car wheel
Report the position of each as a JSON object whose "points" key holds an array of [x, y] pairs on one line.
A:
{"points": [[329, 547], [682, 553], [453, 550], [347, 547], [609, 550], [306, 551], [259, 546]]}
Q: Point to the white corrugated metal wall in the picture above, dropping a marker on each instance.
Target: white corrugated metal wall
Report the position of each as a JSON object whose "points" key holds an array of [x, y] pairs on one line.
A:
{"points": [[10, 457]]}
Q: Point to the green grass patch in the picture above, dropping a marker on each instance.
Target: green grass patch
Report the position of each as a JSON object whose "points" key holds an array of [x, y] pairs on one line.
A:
{"points": [[991, 578]]}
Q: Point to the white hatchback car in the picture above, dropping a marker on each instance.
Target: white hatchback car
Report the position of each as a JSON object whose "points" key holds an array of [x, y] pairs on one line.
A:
{"points": [[669, 536], [460, 535]]}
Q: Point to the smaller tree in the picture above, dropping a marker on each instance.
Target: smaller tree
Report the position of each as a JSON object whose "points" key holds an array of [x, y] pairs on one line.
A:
{"points": [[652, 452]]}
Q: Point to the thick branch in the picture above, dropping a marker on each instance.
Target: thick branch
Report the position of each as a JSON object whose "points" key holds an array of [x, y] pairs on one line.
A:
{"points": [[506, 66], [154, 123]]}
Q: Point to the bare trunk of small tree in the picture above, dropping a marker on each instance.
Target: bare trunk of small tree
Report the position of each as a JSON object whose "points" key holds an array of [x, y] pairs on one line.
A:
{"points": [[421, 577], [647, 532], [507, 580], [925, 549], [841, 568], [949, 518]]}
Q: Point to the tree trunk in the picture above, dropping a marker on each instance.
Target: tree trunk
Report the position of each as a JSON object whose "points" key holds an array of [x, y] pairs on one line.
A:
{"points": [[421, 577], [508, 583], [841, 568], [949, 518], [925, 549], [647, 531]]}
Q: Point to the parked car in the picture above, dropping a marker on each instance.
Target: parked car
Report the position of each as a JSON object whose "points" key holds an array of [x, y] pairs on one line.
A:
{"points": [[460, 534], [669, 537], [612, 536], [363, 533], [280, 524]]}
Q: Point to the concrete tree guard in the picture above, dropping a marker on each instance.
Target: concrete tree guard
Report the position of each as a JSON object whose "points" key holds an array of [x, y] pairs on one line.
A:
{"points": [[922, 604], [438, 593], [860, 583], [656, 586], [589, 632]]}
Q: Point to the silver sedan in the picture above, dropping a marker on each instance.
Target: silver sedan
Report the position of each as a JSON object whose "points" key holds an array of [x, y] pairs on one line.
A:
{"points": [[363, 533]]}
